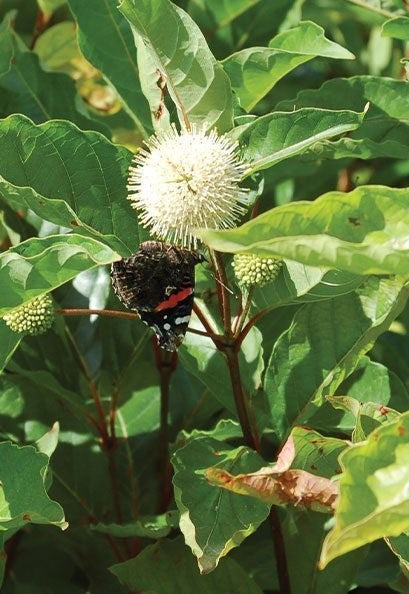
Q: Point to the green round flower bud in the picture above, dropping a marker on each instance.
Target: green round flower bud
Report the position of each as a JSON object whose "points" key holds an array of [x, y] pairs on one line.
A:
{"points": [[250, 269], [34, 317]]}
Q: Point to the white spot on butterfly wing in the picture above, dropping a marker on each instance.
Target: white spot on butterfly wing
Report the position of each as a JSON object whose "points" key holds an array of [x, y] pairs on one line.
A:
{"points": [[184, 320]]}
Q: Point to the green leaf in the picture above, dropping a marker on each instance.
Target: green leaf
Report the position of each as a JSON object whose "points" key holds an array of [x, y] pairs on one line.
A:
{"points": [[9, 342], [212, 520], [23, 497], [50, 6], [299, 284], [39, 265], [384, 132], [253, 72], [363, 232], [27, 88], [316, 453], [370, 382], [202, 359], [196, 82], [306, 365], [106, 40], [304, 532], [400, 546], [397, 28], [144, 527], [48, 442], [374, 499], [167, 568], [57, 46], [279, 135], [308, 38], [368, 415], [82, 187]]}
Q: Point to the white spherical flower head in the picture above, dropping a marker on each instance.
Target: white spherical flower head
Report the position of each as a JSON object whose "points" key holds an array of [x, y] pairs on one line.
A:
{"points": [[186, 181]]}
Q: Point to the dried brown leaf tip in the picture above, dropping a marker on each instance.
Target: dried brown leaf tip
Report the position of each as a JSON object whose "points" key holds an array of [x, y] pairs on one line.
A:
{"points": [[280, 484]]}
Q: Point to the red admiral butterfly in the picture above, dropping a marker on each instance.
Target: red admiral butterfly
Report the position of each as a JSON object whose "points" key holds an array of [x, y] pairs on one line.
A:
{"points": [[158, 283]]}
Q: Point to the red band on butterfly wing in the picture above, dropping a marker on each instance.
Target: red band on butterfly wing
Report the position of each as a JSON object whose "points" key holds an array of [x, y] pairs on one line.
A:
{"points": [[174, 299]]}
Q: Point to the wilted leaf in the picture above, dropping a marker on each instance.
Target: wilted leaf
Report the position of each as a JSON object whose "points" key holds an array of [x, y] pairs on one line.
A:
{"points": [[280, 485]]}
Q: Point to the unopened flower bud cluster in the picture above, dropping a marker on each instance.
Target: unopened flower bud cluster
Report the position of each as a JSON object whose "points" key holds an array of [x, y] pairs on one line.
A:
{"points": [[250, 269], [34, 317]]}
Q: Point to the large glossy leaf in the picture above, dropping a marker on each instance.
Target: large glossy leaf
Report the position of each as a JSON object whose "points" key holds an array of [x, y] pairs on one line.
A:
{"points": [[363, 232], [106, 40], [254, 71], [197, 84], [279, 135], [374, 499], [27, 88], [168, 568], [384, 132], [71, 178], [306, 364], [212, 520], [38, 266]]}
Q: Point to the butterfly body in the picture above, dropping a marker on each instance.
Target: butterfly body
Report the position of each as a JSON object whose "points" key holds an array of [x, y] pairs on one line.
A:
{"points": [[158, 283]]}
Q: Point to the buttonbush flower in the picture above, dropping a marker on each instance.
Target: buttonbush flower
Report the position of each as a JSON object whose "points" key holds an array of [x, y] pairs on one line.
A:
{"points": [[250, 269], [34, 317], [185, 181]]}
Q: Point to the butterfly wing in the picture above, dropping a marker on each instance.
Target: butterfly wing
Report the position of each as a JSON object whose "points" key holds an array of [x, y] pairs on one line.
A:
{"points": [[158, 283]]}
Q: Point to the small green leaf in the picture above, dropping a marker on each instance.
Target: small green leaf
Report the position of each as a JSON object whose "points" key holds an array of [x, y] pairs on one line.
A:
{"points": [[214, 521], [397, 28], [374, 499], [50, 6], [39, 265], [49, 441], [363, 232], [196, 82], [167, 568], [23, 497], [144, 527], [253, 72], [308, 38]]}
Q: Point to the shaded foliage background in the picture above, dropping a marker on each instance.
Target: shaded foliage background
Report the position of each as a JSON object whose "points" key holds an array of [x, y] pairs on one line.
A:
{"points": [[80, 406]]}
